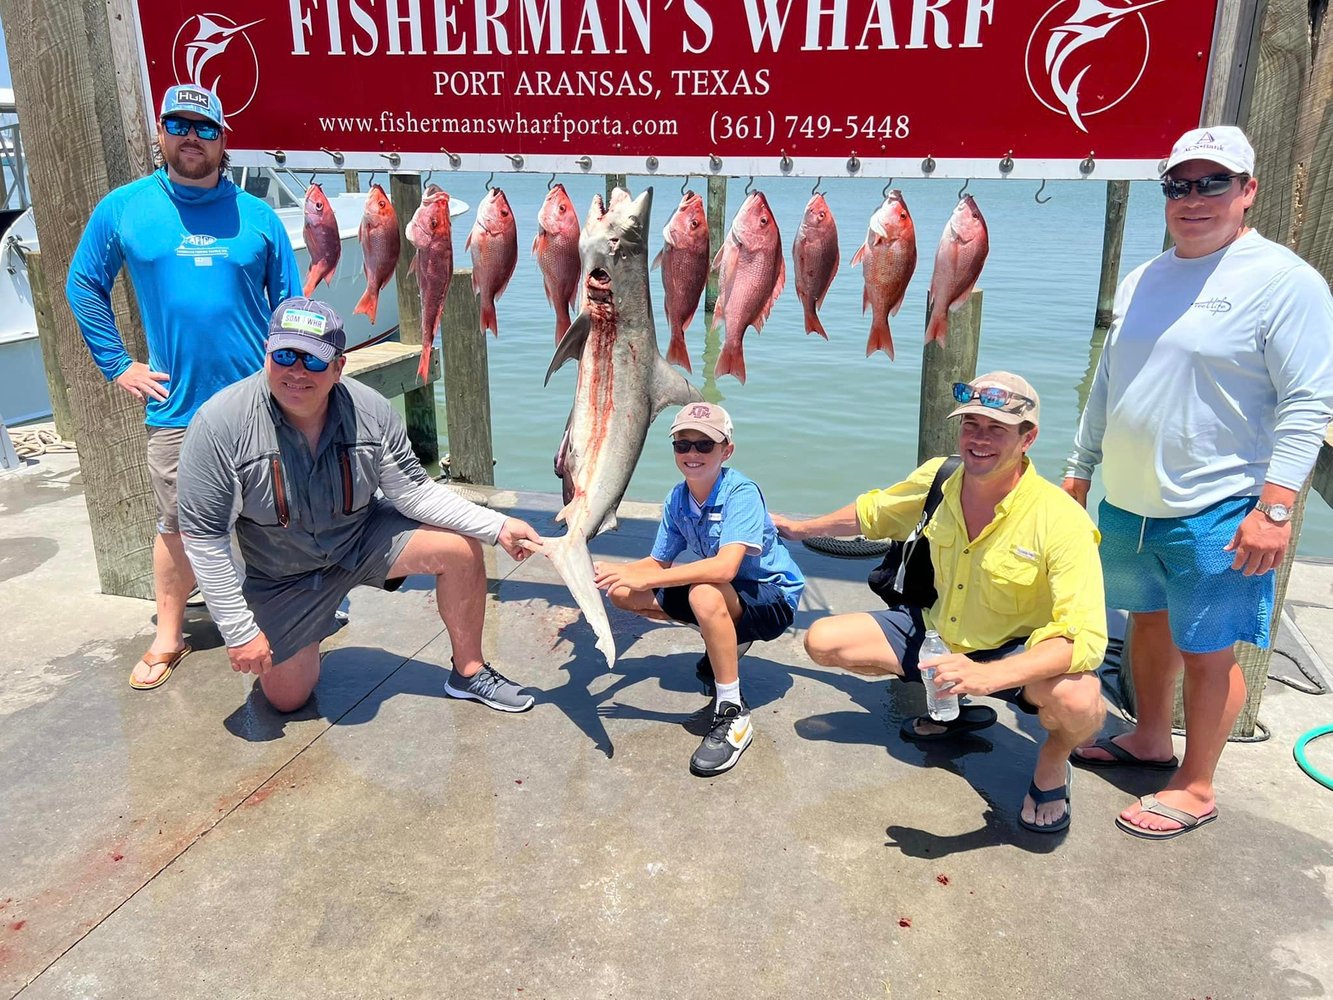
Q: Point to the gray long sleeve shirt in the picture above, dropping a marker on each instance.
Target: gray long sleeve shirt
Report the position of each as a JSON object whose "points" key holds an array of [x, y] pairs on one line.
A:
{"points": [[243, 465], [1217, 376]]}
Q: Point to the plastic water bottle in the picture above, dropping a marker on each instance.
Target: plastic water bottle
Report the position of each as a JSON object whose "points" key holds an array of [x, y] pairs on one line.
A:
{"points": [[940, 705]]}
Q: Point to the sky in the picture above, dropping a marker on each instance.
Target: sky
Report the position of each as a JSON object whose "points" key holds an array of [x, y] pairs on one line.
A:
{"points": [[5, 80]]}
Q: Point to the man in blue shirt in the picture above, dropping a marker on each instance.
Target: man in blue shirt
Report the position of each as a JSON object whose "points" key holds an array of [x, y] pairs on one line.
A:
{"points": [[209, 263], [742, 586]]}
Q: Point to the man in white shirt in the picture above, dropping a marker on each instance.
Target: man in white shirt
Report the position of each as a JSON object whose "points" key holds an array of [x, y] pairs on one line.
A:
{"points": [[1206, 413]]}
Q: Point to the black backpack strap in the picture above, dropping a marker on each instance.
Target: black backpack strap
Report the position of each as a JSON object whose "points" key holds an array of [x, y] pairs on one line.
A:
{"points": [[936, 493]]}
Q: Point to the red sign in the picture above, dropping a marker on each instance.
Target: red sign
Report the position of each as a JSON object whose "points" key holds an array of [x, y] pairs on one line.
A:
{"points": [[981, 88]]}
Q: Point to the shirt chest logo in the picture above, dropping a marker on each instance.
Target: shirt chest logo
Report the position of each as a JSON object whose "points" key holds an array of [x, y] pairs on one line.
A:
{"points": [[1214, 305], [201, 248]]}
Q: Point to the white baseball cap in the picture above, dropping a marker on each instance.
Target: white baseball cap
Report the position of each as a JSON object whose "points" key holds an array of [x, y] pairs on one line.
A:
{"points": [[1222, 144]]}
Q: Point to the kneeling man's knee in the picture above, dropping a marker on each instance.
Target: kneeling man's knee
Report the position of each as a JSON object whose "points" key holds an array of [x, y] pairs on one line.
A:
{"points": [[706, 600], [822, 643], [1078, 697]]}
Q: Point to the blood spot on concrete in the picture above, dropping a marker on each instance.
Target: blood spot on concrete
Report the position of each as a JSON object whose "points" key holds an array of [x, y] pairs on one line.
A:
{"points": [[117, 856], [942, 879], [904, 921], [18, 925]]}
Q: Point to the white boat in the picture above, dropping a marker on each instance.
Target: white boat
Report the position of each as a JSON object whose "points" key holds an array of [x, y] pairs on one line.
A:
{"points": [[23, 392]]}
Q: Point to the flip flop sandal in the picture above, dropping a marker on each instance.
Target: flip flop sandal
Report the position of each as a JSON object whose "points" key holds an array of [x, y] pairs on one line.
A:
{"points": [[1188, 821], [1120, 757], [1041, 796], [155, 659], [970, 719]]}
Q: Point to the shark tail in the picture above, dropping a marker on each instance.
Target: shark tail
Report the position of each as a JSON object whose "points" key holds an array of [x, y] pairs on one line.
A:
{"points": [[569, 555]]}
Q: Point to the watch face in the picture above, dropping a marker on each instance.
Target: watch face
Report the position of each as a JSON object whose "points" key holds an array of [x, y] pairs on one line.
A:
{"points": [[1277, 511]]}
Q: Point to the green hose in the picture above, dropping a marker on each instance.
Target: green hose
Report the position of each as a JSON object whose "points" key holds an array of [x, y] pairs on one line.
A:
{"points": [[1298, 751]]}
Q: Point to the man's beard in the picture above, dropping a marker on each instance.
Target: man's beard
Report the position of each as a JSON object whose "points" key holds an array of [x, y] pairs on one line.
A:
{"points": [[193, 168]]}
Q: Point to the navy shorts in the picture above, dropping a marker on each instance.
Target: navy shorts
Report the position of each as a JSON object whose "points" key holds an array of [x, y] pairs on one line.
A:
{"points": [[906, 631], [1180, 565], [765, 613]]}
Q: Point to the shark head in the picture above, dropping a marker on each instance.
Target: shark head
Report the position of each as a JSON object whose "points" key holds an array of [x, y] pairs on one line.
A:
{"points": [[615, 234]]}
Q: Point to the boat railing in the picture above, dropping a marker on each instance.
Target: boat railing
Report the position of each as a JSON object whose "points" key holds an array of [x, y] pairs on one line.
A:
{"points": [[13, 170]]}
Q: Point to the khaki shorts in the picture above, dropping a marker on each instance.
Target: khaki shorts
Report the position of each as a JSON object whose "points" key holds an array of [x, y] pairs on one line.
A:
{"points": [[164, 453]]}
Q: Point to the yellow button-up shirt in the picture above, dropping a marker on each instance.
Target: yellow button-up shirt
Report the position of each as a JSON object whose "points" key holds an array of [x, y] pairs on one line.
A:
{"points": [[1033, 571]]}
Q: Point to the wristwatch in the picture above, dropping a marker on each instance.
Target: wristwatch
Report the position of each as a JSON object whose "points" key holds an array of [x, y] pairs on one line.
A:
{"points": [[1278, 513]]}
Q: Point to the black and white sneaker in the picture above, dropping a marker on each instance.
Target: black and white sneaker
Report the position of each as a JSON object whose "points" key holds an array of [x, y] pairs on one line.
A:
{"points": [[725, 742], [491, 688], [704, 669]]}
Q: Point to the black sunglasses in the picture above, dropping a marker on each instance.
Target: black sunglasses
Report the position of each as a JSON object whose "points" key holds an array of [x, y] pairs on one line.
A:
{"points": [[286, 357], [991, 396], [180, 128], [683, 445], [1210, 187]]}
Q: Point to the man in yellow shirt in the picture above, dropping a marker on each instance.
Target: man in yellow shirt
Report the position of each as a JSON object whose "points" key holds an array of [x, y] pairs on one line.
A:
{"points": [[1019, 587]]}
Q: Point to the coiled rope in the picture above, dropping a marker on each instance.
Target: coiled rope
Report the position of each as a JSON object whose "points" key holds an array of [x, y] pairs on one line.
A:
{"points": [[859, 547], [31, 444]]}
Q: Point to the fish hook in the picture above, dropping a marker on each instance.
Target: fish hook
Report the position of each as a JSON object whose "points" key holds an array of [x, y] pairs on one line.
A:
{"points": [[815, 190], [429, 174], [684, 183], [489, 179], [551, 183], [372, 177], [1037, 197], [310, 182], [749, 186], [963, 189], [884, 193]]}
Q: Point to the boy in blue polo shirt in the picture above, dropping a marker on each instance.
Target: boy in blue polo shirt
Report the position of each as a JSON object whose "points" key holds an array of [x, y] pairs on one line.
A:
{"points": [[742, 586]]}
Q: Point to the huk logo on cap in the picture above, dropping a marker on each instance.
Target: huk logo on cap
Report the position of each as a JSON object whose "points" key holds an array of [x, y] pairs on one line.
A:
{"points": [[213, 51], [1072, 72]]}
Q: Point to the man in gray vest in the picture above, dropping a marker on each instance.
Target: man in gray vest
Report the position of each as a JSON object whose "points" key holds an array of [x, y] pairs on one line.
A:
{"points": [[317, 478]]}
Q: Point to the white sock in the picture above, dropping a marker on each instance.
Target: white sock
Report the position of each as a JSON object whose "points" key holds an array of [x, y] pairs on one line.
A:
{"points": [[728, 692]]}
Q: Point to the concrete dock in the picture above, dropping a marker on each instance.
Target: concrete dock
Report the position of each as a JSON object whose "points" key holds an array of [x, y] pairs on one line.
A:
{"points": [[387, 841]]}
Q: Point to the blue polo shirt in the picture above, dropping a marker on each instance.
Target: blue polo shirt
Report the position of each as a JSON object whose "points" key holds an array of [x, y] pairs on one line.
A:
{"points": [[734, 512]]}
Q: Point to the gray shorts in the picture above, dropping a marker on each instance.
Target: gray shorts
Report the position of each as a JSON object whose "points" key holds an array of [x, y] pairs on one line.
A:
{"points": [[164, 454], [298, 611]]}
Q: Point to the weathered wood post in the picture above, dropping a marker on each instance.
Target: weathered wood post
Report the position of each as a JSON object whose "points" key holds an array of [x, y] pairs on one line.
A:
{"points": [[75, 74], [46, 337], [351, 181], [467, 384], [715, 208], [614, 181], [418, 404], [1113, 240], [941, 366]]}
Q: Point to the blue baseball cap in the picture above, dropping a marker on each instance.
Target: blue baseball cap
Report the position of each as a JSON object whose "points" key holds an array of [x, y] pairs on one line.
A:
{"points": [[188, 97]]}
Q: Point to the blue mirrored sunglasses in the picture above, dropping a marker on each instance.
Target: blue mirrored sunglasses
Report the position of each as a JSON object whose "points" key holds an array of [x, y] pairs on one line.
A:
{"points": [[286, 357], [991, 396], [180, 128]]}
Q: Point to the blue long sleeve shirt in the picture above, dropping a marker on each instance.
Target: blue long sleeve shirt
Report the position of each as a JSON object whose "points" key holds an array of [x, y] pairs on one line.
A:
{"points": [[208, 265], [1217, 377]]}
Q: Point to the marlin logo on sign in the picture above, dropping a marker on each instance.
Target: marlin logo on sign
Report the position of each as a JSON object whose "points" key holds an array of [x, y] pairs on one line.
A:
{"points": [[213, 51], [1064, 50]]}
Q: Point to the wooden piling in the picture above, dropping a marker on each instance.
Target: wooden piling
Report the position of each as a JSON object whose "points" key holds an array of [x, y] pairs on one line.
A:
{"points": [[941, 366], [351, 181], [88, 89], [467, 387], [418, 404], [46, 337], [614, 181], [1113, 240]]}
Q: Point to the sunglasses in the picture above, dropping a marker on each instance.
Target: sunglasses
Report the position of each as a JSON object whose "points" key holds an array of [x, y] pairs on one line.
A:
{"points": [[180, 127], [286, 357], [683, 446], [991, 396], [1210, 186]]}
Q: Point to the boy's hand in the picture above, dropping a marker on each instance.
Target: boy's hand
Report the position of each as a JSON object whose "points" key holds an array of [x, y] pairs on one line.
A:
{"points": [[631, 575]]}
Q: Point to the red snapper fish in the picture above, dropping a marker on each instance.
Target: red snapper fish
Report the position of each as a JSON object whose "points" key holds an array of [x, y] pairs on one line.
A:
{"points": [[380, 245], [556, 247], [752, 275], [321, 239], [432, 234], [684, 263], [889, 259], [494, 245], [958, 263], [815, 257]]}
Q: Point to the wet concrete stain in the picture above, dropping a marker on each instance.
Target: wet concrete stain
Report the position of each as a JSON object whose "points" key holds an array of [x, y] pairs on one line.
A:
{"points": [[21, 556]]}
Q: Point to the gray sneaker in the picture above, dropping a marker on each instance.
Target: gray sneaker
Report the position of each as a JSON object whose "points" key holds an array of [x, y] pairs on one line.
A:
{"points": [[726, 741], [490, 687]]}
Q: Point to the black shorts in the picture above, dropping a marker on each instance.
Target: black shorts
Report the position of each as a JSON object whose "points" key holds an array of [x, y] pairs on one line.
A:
{"points": [[765, 613], [906, 631]]}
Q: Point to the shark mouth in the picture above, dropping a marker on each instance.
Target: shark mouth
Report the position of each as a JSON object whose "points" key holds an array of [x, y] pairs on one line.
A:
{"points": [[598, 285]]}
